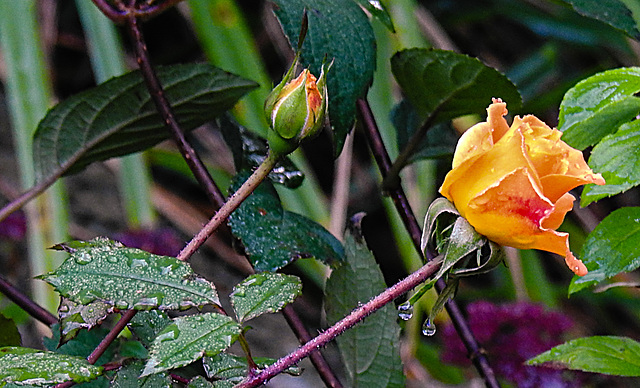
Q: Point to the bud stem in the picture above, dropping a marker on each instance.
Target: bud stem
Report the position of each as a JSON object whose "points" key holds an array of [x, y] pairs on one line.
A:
{"points": [[232, 204]]}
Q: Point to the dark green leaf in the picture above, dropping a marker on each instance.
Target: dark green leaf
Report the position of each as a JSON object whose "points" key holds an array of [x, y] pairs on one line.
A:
{"points": [[273, 237], [118, 117], [201, 382], [37, 367], [127, 377], [596, 107], [612, 12], [188, 339], [439, 142], [379, 11], [617, 158], [341, 31], [370, 349], [249, 151], [147, 324], [233, 369], [446, 85], [610, 355], [133, 349], [462, 241], [9, 334], [612, 247], [83, 344], [75, 316], [129, 278], [264, 293]]}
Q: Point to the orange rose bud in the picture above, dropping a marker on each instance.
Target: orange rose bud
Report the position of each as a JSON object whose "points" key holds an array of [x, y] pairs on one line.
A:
{"points": [[512, 183]]}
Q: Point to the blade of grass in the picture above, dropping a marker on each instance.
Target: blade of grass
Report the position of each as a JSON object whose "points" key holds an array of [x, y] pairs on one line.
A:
{"points": [[29, 95], [107, 60]]}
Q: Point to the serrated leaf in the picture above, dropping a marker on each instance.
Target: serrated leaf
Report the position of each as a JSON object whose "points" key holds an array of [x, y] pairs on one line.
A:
{"points": [[249, 152], [37, 367], [613, 12], [440, 141], [188, 339], [610, 355], [127, 377], [612, 247], [617, 158], [233, 369], [597, 106], [273, 237], [378, 10], [129, 278], [446, 85], [370, 349], [201, 382], [264, 293], [341, 31], [147, 324], [75, 316], [82, 345], [118, 117], [9, 334]]}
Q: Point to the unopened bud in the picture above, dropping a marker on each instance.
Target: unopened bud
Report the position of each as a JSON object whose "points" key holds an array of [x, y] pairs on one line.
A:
{"points": [[296, 109]]}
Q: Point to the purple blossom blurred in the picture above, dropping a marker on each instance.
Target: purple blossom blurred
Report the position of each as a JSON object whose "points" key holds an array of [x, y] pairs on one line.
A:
{"points": [[13, 227], [164, 242], [511, 334]]}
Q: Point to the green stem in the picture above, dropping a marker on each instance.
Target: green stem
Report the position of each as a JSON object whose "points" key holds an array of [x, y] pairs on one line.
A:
{"points": [[232, 204]]}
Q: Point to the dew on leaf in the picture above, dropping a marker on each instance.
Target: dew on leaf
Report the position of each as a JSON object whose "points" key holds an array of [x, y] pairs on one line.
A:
{"points": [[405, 311]]}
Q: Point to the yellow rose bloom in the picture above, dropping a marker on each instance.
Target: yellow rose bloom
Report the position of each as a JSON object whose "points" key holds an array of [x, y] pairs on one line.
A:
{"points": [[512, 183]]}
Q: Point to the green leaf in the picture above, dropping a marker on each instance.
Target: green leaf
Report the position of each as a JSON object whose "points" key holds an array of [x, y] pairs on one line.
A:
{"points": [[129, 278], [249, 151], [612, 12], [445, 85], [617, 158], [370, 349], [273, 237], [440, 141], [339, 30], [596, 107], [147, 324], [188, 339], [127, 377], [233, 369], [264, 293], [378, 10], [75, 316], [201, 382], [610, 355], [37, 367], [118, 117], [612, 247], [9, 334]]}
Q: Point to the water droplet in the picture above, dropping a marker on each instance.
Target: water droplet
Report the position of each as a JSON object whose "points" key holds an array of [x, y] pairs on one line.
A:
{"points": [[405, 311], [239, 292], [122, 305], [428, 328], [83, 258], [112, 258]]}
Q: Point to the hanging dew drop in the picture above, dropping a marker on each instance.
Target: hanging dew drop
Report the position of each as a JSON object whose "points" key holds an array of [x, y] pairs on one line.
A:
{"points": [[405, 311], [428, 328]]}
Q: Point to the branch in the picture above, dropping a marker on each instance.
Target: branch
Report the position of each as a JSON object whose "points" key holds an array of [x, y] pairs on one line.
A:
{"points": [[28, 305], [391, 293], [162, 104], [379, 151]]}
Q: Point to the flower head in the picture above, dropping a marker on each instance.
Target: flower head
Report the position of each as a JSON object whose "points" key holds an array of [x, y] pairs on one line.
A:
{"points": [[512, 183], [296, 109]]}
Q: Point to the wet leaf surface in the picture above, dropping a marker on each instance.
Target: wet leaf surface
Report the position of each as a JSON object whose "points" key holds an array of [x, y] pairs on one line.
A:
{"points": [[264, 293]]}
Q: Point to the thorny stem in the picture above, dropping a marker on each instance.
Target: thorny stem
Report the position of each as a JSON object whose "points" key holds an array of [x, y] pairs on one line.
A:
{"points": [[391, 293], [327, 375], [119, 13], [162, 104], [232, 204], [476, 354], [26, 304], [391, 181]]}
